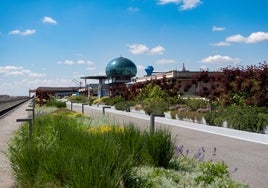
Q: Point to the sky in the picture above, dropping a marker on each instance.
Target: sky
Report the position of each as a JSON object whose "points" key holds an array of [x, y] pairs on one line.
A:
{"points": [[55, 42]]}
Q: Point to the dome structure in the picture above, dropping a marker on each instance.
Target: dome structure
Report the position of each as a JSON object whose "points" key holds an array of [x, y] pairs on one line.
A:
{"points": [[121, 67], [149, 70]]}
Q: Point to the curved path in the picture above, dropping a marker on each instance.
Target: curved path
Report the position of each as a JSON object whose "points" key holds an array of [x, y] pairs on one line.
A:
{"points": [[247, 152]]}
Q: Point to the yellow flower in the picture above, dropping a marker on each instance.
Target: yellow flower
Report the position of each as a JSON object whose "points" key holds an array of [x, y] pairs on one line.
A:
{"points": [[105, 129]]}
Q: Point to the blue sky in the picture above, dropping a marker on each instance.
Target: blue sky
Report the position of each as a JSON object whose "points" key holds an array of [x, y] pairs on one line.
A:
{"points": [[53, 42]]}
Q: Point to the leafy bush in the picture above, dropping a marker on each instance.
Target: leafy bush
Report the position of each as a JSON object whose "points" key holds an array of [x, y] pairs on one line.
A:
{"points": [[188, 173], [64, 152], [78, 99], [211, 170], [160, 147], [194, 104], [194, 116], [99, 101], [154, 106], [124, 106], [113, 100], [253, 119], [58, 104]]}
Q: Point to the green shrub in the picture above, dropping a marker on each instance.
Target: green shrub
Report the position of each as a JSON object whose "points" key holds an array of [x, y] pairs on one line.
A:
{"points": [[253, 119], [191, 115], [154, 106], [113, 100], [64, 153], [173, 114], [58, 104], [194, 104], [124, 106], [78, 99], [160, 147], [211, 170]]}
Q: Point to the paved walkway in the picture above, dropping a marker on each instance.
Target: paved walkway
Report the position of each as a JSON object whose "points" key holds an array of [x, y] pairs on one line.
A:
{"points": [[248, 152], [8, 127]]}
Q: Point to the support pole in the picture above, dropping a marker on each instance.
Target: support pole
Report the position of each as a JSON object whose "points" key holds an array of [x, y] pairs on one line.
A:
{"points": [[103, 109], [30, 121], [31, 109], [152, 121], [83, 108]]}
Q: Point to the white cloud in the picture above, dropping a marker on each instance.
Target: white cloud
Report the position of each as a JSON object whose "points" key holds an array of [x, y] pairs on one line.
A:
{"points": [[81, 62], [235, 38], [91, 68], [140, 67], [257, 37], [11, 71], [219, 59], [165, 61], [47, 19], [189, 4], [163, 2], [184, 4], [133, 9], [84, 62], [215, 28], [158, 50], [22, 33], [66, 62], [18, 71], [221, 44], [36, 75], [252, 38], [78, 62], [139, 49]]}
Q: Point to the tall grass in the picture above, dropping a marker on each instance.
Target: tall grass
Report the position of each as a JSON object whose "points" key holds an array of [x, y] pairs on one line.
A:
{"points": [[64, 152]]}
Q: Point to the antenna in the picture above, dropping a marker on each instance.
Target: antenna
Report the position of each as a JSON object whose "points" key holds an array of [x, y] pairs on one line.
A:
{"points": [[183, 67]]}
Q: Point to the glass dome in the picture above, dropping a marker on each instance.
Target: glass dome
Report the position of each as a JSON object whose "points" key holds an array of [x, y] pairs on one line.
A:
{"points": [[121, 67]]}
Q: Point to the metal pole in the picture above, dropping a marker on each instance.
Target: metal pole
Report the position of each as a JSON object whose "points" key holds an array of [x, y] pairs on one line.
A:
{"points": [[103, 109], [31, 110], [83, 108], [30, 125], [152, 121]]}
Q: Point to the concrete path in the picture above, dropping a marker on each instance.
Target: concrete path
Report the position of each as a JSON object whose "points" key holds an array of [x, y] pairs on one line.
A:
{"points": [[247, 152], [8, 127]]}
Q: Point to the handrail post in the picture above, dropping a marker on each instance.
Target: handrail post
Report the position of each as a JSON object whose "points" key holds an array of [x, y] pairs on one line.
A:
{"points": [[103, 109], [83, 108], [30, 121], [31, 109], [152, 121]]}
